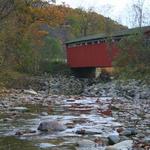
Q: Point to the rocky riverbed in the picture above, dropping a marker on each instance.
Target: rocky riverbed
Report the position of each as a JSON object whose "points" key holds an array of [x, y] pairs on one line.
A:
{"points": [[93, 116]]}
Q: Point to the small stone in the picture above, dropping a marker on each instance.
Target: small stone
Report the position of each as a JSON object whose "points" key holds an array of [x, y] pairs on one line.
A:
{"points": [[140, 135], [99, 142], [7, 119], [129, 132], [51, 126], [113, 139], [33, 131], [44, 114], [146, 140], [70, 125], [82, 132], [124, 138], [147, 115], [19, 109], [86, 143], [32, 92], [125, 145], [119, 130], [19, 133], [133, 131], [126, 133]]}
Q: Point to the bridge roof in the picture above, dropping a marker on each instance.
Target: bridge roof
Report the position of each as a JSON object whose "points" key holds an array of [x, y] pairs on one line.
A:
{"points": [[114, 34]]}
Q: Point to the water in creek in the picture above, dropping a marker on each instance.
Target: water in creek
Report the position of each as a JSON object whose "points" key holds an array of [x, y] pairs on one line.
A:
{"points": [[86, 119]]}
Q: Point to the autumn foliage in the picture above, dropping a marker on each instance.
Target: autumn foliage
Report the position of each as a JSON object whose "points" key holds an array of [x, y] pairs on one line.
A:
{"points": [[32, 32]]}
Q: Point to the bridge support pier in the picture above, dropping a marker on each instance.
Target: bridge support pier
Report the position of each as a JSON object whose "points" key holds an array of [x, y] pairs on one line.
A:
{"points": [[84, 72]]}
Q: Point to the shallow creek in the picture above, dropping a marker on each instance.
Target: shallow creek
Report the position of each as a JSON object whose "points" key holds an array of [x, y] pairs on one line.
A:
{"points": [[86, 118]]}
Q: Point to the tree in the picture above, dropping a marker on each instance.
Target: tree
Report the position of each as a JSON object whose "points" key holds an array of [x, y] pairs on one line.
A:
{"points": [[8, 6], [133, 58], [21, 32], [27, 28], [138, 10], [139, 13], [84, 20], [84, 23]]}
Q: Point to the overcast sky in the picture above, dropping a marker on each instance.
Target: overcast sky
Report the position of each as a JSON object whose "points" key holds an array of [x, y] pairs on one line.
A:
{"points": [[117, 12]]}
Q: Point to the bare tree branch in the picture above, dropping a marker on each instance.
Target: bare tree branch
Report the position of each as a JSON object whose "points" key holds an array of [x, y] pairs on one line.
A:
{"points": [[139, 13]]}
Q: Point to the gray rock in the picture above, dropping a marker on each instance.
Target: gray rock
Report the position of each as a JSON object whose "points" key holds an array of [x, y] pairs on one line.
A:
{"points": [[19, 109], [129, 132], [140, 135], [87, 145], [124, 138], [146, 140], [126, 133], [147, 116], [32, 92], [125, 145], [44, 114], [7, 119], [133, 131], [145, 94], [131, 89], [51, 126], [113, 139]]}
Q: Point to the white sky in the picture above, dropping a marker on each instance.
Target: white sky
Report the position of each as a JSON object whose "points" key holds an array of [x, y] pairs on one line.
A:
{"points": [[117, 12]]}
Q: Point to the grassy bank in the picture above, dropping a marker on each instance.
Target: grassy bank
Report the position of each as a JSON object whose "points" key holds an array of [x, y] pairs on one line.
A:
{"points": [[11, 78]]}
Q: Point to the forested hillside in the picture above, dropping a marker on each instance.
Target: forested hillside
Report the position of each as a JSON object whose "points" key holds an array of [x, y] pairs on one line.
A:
{"points": [[32, 32]]}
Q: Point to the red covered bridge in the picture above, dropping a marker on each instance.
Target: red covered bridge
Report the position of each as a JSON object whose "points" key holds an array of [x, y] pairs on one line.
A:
{"points": [[98, 51]]}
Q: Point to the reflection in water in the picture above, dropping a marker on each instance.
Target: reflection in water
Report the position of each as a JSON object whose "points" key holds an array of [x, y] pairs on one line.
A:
{"points": [[13, 143]]}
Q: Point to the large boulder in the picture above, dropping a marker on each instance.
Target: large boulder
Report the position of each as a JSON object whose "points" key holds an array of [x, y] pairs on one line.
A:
{"points": [[51, 126]]}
